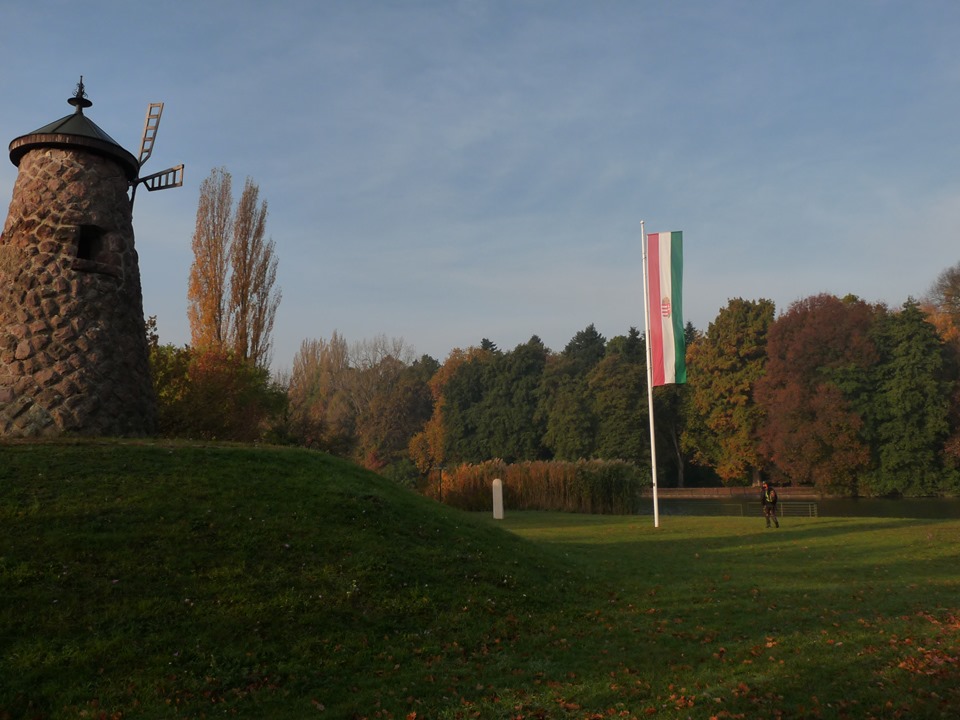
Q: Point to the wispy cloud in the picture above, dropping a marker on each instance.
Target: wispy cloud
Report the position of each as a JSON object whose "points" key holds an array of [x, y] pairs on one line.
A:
{"points": [[448, 171]]}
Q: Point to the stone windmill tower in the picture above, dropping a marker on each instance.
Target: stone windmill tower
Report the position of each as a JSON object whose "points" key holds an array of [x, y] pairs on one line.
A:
{"points": [[73, 351]]}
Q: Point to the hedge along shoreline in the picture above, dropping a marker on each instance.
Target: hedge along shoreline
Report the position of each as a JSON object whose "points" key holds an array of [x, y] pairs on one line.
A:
{"points": [[603, 487]]}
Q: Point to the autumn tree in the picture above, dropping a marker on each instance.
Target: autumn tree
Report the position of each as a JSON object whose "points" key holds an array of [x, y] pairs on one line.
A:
{"points": [[207, 292], [942, 309], [391, 400], [254, 299], [817, 354], [944, 294], [322, 413], [374, 364], [723, 368], [212, 394], [232, 295], [397, 411], [363, 401], [428, 447]]}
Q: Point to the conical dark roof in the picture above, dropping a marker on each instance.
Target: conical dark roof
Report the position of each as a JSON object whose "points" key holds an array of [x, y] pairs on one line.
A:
{"points": [[75, 131]]}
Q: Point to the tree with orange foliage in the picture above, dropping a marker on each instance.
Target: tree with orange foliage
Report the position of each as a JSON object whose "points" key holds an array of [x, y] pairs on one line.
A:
{"points": [[207, 291], [942, 309], [232, 295], [253, 274], [723, 368], [212, 394], [396, 411], [427, 448]]}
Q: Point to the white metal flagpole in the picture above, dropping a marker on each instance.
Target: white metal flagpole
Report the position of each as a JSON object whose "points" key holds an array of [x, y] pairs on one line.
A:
{"points": [[646, 317]]}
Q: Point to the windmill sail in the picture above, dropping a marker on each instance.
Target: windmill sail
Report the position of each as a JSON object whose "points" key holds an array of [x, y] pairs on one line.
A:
{"points": [[169, 178], [150, 131], [172, 177]]}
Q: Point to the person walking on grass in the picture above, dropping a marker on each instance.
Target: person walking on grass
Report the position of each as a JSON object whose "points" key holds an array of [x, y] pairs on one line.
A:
{"points": [[768, 499]]}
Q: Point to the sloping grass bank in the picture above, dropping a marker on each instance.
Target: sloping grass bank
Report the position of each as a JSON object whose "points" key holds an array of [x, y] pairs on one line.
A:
{"points": [[164, 580]]}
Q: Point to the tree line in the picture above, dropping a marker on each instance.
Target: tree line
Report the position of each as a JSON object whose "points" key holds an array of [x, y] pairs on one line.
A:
{"points": [[834, 393]]}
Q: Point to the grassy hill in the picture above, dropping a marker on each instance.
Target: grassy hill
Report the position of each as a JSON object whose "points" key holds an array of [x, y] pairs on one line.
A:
{"points": [[157, 580], [139, 577]]}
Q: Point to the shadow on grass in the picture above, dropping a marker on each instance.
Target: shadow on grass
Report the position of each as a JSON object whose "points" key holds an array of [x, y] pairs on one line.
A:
{"points": [[218, 581], [825, 617]]}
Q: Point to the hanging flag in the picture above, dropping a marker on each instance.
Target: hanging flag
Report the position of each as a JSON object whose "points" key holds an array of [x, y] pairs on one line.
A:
{"points": [[665, 303]]}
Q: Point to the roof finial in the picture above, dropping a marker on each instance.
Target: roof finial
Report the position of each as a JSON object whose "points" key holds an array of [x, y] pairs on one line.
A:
{"points": [[79, 99]]}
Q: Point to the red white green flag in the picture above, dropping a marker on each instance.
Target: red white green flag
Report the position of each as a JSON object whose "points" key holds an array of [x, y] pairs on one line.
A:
{"points": [[665, 303]]}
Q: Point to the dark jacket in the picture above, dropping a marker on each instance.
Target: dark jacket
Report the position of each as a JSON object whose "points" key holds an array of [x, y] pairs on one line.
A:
{"points": [[768, 496]]}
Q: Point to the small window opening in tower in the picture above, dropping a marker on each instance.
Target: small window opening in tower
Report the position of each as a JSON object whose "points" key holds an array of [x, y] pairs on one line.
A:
{"points": [[89, 243]]}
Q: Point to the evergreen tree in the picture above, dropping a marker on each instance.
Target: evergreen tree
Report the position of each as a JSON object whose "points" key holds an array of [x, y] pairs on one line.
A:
{"points": [[566, 401], [509, 415], [466, 438], [571, 424], [670, 409], [907, 410], [618, 387], [631, 346], [585, 349]]}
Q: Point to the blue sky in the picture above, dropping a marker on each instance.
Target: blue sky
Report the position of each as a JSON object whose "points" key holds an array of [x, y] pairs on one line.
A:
{"points": [[456, 170]]}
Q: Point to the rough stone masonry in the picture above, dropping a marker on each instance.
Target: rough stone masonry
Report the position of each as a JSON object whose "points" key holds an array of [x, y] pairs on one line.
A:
{"points": [[73, 350]]}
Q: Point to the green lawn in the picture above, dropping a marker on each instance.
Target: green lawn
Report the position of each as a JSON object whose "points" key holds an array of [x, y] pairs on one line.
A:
{"points": [[157, 580]]}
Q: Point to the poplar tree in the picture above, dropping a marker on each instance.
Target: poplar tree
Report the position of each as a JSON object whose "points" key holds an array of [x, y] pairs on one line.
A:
{"points": [[207, 291], [253, 274], [232, 298]]}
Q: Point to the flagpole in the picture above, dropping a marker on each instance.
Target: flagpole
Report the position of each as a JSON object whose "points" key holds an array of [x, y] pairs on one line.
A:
{"points": [[646, 316]]}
